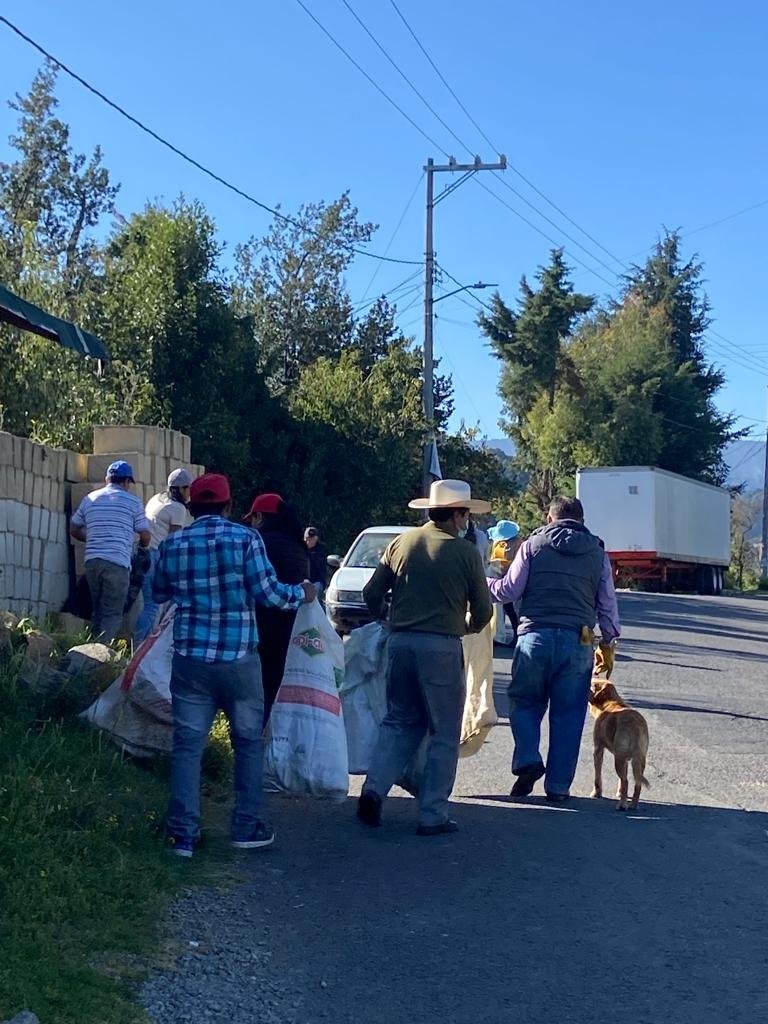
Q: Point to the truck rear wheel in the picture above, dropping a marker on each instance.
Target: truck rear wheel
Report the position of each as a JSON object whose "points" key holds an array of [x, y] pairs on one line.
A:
{"points": [[709, 580]]}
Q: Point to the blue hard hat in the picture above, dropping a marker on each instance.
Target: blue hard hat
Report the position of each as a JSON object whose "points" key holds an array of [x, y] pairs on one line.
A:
{"points": [[120, 469], [505, 529]]}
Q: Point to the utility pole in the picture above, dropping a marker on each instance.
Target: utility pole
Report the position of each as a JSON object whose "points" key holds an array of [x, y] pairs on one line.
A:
{"points": [[430, 169], [764, 552]]}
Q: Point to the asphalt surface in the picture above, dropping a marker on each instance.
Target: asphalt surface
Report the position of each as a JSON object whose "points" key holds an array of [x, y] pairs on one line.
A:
{"points": [[534, 913]]}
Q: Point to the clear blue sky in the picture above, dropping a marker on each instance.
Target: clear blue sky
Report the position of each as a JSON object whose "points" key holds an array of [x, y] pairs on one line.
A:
{"points": [[628, 116]]}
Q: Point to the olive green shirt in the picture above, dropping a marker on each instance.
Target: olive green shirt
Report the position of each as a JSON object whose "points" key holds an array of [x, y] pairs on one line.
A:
{"points": [[434, 577]]}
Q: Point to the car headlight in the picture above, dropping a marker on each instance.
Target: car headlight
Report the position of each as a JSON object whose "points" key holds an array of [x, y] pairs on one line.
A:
{"points": [[348, 597]]}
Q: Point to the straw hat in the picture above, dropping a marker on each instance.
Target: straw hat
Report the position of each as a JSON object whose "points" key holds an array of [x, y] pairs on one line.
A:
{"points": [[451, 494]]}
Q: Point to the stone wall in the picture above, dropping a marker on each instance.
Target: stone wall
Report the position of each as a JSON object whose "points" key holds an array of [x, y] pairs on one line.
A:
{"points": [[41, 486]]}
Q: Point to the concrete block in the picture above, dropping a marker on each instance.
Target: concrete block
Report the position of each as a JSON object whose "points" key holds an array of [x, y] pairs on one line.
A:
{"points": [[108, 439], [4, 481], [15, 489], [36, 554], [4, 527], [29, 485], [76, 467], [186, 448], [34, 522], [37, 459], [98, 464], [19, 523], [23, 584], [26, 553], [79, 491], [6, 448], [45, 523], [37, 491]]}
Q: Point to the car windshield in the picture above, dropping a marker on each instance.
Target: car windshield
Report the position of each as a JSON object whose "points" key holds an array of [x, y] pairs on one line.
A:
{"points": [[367, 552]]}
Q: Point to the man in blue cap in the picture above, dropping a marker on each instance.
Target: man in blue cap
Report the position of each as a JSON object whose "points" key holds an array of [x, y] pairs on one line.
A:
{"points": [[108, 521]]}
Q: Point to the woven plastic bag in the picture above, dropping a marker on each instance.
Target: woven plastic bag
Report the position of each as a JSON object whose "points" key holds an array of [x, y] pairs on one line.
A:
{"points": [[307, 748]]}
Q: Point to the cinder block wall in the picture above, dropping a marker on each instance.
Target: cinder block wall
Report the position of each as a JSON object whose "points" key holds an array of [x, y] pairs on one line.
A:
{"points": [[41, 486]]}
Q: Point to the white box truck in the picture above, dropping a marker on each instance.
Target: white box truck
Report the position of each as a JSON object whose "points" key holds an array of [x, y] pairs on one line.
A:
{"points": [[658, 527]]}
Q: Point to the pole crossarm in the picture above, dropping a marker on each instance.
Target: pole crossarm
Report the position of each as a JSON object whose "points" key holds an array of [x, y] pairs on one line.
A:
{"points": [[430, 169]]}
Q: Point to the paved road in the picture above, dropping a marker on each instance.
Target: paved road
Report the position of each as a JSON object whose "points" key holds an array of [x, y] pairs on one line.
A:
{"points": [[538, 914]]}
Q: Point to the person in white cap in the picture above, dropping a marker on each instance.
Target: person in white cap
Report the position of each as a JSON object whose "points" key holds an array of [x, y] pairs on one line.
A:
{"points": [[435, 579], [167, 513]]}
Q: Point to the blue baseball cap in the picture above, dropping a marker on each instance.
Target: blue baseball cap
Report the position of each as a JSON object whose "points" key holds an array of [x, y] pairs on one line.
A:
{"points": [[120, 469], [505, 529]]}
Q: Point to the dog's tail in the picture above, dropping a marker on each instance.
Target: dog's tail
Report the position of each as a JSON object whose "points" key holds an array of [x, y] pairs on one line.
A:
{"points": [[638, 768]]}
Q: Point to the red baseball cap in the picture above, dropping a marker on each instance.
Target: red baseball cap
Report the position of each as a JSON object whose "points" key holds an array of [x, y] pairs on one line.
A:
{"points": [[264, 503], [210, 489]]}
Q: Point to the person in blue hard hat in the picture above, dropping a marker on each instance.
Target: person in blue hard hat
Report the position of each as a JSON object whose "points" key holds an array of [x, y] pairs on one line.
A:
{"points": [[108, 520]]}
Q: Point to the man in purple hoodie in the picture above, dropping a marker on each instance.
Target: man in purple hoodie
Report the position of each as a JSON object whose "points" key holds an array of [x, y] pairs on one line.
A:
{"points": [[563, 579]]}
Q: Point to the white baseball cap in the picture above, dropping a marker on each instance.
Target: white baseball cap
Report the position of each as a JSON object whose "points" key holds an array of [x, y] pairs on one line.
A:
{"points": [[180, 478]]}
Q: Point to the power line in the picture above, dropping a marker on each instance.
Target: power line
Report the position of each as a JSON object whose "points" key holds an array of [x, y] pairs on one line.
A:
{"points": [[389, 294], [394, 234], [373, 82], [488, 142], [500, 199], [185, 156], [405, 77]]}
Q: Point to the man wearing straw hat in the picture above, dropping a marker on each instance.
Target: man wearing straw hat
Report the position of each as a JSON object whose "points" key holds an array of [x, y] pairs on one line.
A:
{"points": [[434, 579]]}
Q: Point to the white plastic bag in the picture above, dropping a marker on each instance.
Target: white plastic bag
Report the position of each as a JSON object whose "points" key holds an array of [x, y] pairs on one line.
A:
{"points": [[307, 749], [479, 708], [364, 693]]}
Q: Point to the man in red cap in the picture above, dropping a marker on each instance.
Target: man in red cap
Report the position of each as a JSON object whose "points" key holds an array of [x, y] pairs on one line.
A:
{"points": [[216, 572]]}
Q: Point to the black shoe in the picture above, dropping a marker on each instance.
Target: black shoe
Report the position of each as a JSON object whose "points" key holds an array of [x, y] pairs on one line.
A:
{"points": [[526, 780], [369, 809], [558, 798], [443, 829]]}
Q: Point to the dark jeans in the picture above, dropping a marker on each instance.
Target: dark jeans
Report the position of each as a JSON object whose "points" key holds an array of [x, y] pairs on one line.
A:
{"points": [[198, 691], [425, 697], [108, 584], [552, 668]]}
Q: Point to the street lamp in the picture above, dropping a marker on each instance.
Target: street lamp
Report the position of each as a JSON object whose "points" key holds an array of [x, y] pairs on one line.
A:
{"points": [[478, 286]]}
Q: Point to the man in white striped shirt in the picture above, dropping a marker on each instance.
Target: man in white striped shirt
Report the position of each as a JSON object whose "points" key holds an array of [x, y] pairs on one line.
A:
{"points": [[108, 521]]}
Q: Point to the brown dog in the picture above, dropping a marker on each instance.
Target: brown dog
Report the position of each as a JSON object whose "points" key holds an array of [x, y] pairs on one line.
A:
{"points": [[623, 731]]}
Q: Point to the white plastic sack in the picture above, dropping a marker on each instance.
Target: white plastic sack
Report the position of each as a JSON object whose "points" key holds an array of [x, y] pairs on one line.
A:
{"points": [[135, 711], [365, 700], [307, 749], [364, 693]]}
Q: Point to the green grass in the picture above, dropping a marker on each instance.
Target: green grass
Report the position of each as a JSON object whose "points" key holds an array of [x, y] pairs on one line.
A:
{"points": [[84, 876]]}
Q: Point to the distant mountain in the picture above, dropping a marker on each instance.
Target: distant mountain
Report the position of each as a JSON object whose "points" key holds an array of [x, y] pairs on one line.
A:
{"points": [[501, 444], [745, 460], [746, 464]]}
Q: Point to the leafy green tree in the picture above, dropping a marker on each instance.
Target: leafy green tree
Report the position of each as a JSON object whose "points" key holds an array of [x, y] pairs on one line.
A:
{"points": [[290, 284], [695, 433]]}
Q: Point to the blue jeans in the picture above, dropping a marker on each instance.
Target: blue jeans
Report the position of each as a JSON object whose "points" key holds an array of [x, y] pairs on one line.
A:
{"points": [[147, 618], [198, 691], [425, 698], [549, 667]]}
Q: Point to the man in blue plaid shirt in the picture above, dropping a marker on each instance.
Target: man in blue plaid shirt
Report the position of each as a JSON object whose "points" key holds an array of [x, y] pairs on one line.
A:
{"points": [[215, 572]]}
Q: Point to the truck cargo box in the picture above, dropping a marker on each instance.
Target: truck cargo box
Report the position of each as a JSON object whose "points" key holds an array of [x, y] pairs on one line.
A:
{"points": [[643, 510]]}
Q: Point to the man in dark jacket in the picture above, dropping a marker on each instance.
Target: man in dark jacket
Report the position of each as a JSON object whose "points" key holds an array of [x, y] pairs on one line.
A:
{"points": [[563, 579], [280, 529], [318, 559]]}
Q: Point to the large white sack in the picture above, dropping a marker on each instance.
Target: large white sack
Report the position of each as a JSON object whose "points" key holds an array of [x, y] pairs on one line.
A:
{"points": [[135, 711], [365, 699], [364, 693], [307, 748]]}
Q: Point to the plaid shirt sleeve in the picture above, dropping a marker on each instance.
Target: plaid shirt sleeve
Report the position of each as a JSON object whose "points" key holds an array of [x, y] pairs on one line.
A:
{"points": [[261, 581]]}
